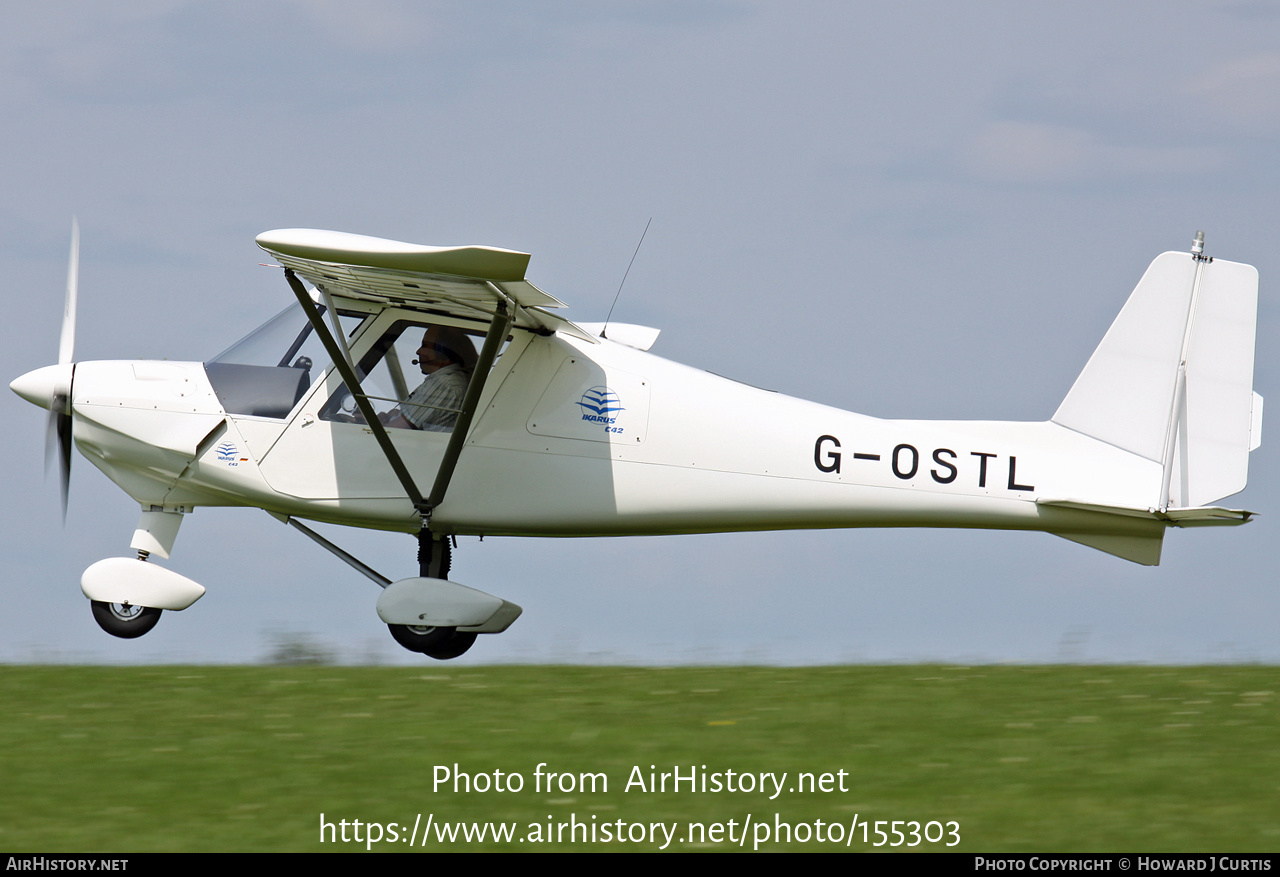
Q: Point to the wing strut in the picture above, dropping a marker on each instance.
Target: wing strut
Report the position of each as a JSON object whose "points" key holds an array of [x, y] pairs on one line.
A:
{"points": [[433, 550], [350, 560], [357, 392], [498, 330]]}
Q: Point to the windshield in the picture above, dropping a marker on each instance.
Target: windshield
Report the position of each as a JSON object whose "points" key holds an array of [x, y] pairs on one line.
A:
{"points": [[265, 373], [281, 340]]}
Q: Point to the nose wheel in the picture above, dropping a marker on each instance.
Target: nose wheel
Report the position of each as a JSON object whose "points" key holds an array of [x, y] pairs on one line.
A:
{"points": [[125, 620]]}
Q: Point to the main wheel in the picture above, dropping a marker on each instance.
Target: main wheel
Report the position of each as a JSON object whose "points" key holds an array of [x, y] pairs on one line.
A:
{"points": [[124, 620], [420, 639], [456, 645]]}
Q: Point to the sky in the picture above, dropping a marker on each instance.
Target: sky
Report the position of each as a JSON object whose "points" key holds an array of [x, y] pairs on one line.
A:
{"points": [[917, 210]]}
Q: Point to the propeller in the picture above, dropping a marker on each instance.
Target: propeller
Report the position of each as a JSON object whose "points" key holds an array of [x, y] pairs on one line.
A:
{"points": [[58, 431]]}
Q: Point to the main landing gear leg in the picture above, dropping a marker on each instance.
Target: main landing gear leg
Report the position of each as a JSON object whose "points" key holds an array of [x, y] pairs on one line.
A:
{"points": [[441, 643], [434, 555]]}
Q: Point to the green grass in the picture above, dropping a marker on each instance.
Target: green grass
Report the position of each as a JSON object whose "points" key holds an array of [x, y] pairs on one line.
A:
{"points": [[1085, 758]]}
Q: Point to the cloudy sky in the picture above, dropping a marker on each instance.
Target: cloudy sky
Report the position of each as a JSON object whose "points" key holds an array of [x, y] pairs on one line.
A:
{"points": [[908, 210]]}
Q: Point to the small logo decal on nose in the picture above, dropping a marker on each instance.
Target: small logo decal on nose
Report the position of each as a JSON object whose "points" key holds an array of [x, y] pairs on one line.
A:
{"points": [[228, 453]]}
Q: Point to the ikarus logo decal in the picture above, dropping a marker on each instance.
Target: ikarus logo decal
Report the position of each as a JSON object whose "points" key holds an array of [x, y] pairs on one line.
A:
{"points": [[600, 405], [228, 453], [586, 403]]}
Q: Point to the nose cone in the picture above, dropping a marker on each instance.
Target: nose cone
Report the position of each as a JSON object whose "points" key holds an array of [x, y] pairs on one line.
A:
{"points": [[40, 386]]}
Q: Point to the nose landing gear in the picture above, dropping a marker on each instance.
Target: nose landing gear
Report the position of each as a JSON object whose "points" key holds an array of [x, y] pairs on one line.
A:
{"points": [[127, 594]]}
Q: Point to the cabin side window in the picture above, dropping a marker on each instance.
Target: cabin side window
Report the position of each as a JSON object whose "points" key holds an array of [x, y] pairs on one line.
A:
{"points": [[415, 377]]}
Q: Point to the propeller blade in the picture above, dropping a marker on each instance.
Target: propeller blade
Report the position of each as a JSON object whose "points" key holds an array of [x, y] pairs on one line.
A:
{"points": [[58, 435], [64, 458], [51, 435], [67, 344], [58, 429]]}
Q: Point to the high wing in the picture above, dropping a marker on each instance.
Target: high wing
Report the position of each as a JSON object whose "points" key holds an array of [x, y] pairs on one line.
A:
{"points": [[467, 282]]}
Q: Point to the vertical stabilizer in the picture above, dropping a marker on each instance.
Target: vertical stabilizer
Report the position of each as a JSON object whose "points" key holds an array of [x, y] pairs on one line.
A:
{"points": [[1172, 380]]}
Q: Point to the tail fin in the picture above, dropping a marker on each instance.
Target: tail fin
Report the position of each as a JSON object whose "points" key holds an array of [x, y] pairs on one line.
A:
{"points": [[1172, 380]]}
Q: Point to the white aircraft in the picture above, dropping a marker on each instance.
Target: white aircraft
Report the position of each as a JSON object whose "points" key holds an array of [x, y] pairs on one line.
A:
{"points": [[514, 421]]}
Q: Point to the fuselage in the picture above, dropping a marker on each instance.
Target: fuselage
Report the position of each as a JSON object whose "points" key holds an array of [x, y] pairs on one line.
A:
{"points": [[578, 439]]}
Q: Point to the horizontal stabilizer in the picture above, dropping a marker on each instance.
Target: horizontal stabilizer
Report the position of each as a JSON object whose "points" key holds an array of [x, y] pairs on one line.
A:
{"points": [[1199, 516], [1143, 548], [1081, 506], [1208, 517]]}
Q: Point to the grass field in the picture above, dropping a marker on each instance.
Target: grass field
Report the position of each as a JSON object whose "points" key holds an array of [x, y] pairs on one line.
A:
{"points": [[1088, 758]]}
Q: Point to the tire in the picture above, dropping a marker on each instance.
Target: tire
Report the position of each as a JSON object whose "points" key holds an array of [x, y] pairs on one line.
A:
{"points": [[456, 645], [419, 639], [124, 620]]}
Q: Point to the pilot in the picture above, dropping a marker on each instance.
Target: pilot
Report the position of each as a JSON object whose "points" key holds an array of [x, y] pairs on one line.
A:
{"points": [[447, 358]]}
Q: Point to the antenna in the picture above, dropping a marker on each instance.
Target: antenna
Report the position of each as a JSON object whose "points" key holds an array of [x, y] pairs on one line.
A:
{"points": [[604, 332]]}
